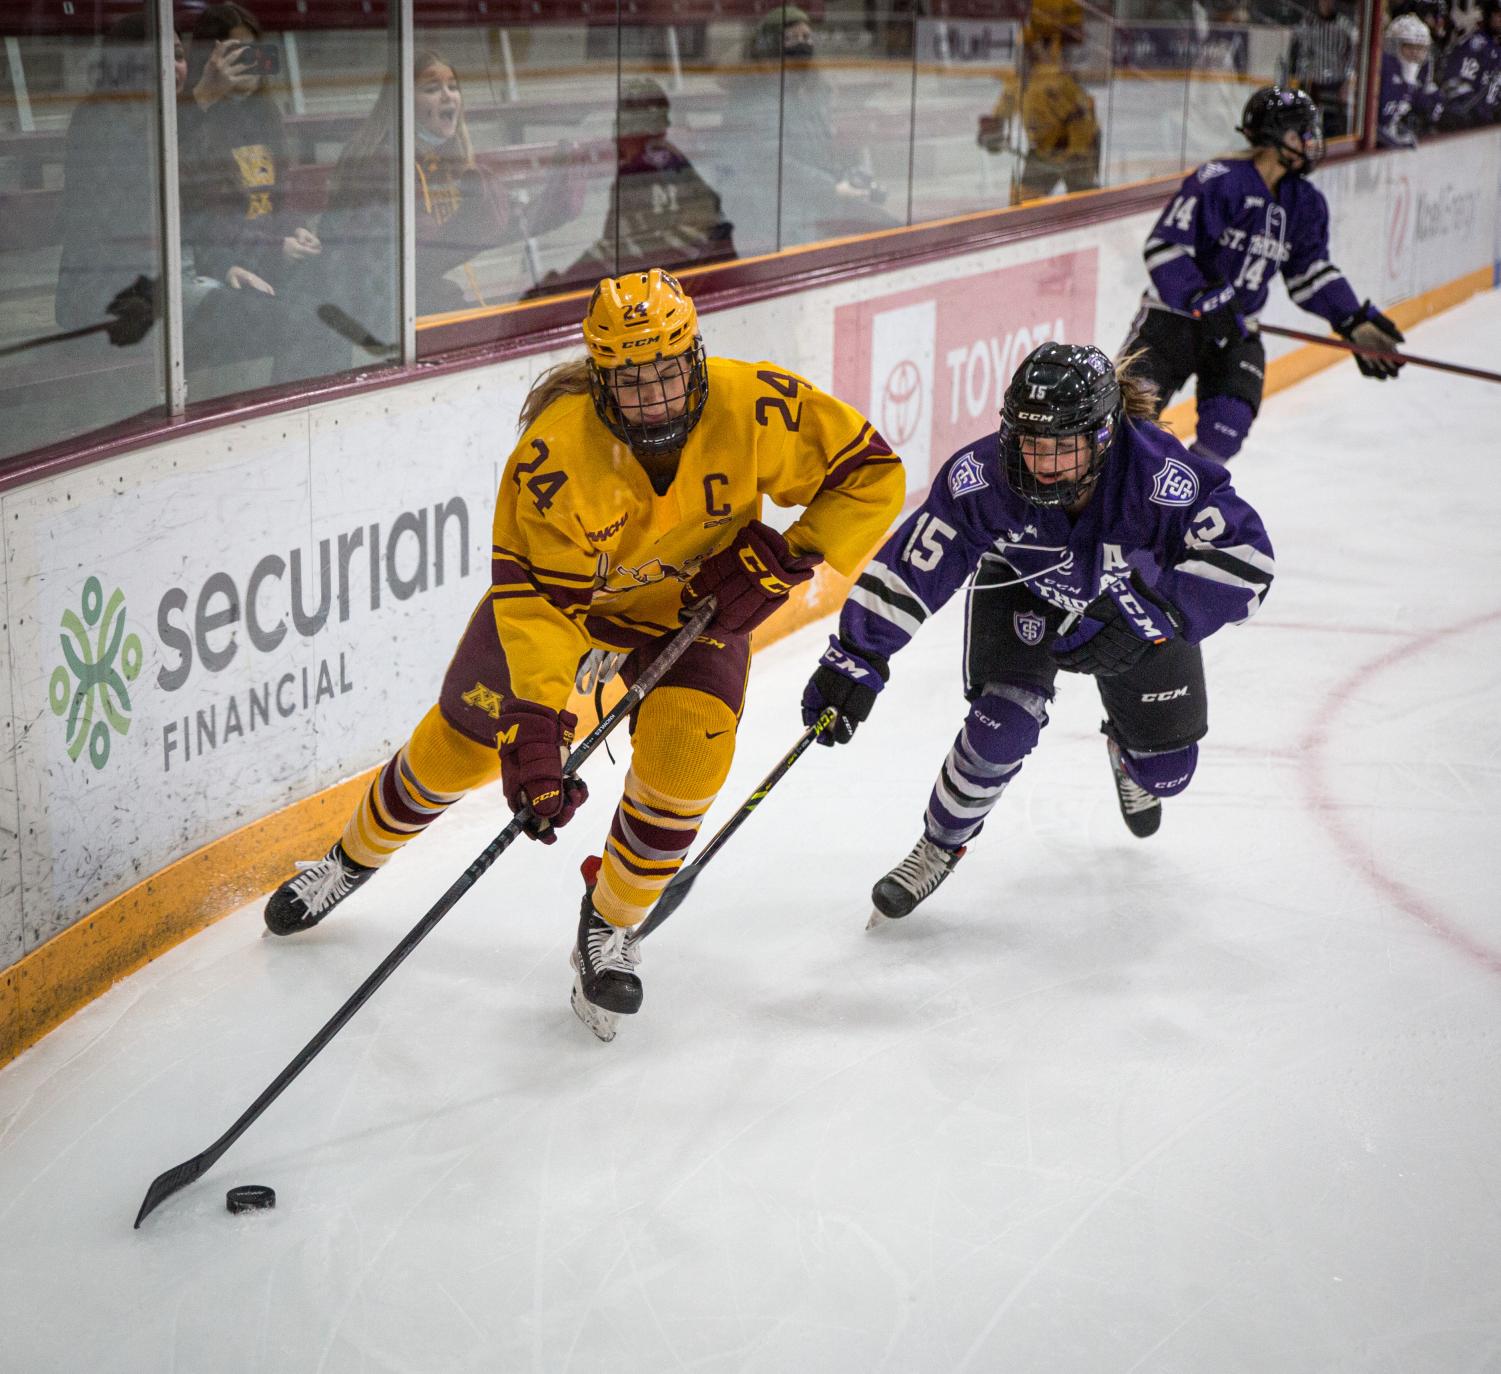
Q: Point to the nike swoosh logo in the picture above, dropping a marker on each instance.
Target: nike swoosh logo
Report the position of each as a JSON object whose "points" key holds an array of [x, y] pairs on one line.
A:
{"points": [[714, 734]]}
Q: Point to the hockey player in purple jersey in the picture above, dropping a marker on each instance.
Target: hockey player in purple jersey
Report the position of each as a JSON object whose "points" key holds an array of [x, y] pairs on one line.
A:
{"points": [[1470, 80], [1409, 100], [1103, 546], [1231, 227]]}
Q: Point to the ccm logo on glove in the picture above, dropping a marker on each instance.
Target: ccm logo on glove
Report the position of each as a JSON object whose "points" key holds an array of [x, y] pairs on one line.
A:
{"points": [[533, 740], [750, 579]]}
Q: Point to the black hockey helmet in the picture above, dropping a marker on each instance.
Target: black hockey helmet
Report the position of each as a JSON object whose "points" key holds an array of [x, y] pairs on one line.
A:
{"points": [[1275, 111], [1064, 392]]}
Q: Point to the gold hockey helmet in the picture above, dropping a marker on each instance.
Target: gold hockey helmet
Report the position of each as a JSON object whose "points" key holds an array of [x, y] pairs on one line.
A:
{"points": [[1050, 19], [647, 371]]}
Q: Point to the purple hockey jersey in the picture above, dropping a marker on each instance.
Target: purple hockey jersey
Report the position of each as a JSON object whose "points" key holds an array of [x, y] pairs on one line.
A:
{"points": [[1159, 510], [1406, 106], [1226, 226], [1470, 91]]}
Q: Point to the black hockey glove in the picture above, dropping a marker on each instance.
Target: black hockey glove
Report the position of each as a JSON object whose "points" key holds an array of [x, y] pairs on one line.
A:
{"points": [[1116, 630], [1220, 322], [1369, 328], [848, 682], [132, 313]]}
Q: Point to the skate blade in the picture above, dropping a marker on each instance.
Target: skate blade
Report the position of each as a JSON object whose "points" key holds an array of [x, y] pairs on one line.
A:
{"points": [[878, 918], [601, 1023]]}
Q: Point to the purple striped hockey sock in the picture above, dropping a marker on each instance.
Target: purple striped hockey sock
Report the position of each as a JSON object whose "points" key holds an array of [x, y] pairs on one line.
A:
{"points": [[1000, 731]]}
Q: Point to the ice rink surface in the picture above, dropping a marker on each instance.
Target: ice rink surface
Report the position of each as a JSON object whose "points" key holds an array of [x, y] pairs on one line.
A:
{"points": [[1225, 1100]]}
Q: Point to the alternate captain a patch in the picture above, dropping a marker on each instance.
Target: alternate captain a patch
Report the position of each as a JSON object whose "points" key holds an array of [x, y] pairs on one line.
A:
{"points": [[966, 476], [1030, 627], [1176, 484]]}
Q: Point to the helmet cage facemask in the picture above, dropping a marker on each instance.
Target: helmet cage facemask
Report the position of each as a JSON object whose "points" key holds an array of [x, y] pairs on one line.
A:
{"points": [[1089, 449], [646, 438], [1299, 162]]}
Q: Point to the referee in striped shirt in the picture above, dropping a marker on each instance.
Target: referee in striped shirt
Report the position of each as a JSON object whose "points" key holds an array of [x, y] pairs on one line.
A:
{"points": [[1321, 61]]}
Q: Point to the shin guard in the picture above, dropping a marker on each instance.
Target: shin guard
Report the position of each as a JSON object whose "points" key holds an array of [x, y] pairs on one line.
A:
{"points": [[1224, 422], [430, 772], [1000, 731], [1165, 774], [681, 751]]}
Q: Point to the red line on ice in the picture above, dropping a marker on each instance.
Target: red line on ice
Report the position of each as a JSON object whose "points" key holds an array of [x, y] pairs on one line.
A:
{"points": [[1331, 812]]}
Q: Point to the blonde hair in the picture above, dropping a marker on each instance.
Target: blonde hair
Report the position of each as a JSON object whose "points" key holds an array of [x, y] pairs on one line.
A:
{"points": [[1138, 396], [570, 378]]}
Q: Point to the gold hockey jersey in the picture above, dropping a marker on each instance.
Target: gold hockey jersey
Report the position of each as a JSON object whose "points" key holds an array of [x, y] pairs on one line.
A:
{"points": [[587, 555]]}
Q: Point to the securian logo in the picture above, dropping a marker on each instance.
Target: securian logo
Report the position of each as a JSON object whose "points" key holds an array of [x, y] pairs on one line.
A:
{"points": [[96, 672]]}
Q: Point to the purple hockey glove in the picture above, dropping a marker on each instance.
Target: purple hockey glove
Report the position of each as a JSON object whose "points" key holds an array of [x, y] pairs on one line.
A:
{"points": [[1214, 309], [848, 682], [1116, 629]]}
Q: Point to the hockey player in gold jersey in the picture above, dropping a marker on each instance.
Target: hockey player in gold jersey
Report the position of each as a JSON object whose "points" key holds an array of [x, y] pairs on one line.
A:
{"points": [[634, 490]]}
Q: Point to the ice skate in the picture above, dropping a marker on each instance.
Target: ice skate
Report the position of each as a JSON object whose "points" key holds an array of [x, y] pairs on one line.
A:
{"points": [[1141, 811], [320, 885], [911, 881], [605, 983]]}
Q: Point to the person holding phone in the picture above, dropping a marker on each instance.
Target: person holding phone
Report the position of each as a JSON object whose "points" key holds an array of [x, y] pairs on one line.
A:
{"points": [[235, 222]]}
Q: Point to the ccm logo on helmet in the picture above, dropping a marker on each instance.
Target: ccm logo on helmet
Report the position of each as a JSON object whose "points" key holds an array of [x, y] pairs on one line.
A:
{"points": [[1034, 415]]}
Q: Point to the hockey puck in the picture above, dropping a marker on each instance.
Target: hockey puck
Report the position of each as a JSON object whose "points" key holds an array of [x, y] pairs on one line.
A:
{"points": [[250, 1197]]}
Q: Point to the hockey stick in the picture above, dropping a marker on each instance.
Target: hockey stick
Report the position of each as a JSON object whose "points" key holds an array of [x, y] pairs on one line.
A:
{"points": [[1391, 355], [676, 892], [347, 327], [10, 350], [180, 1175]]}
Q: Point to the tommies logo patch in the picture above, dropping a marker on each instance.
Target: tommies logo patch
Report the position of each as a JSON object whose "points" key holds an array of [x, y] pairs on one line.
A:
{"points": [[1176, 484], [1030, 627], [966, 476]]}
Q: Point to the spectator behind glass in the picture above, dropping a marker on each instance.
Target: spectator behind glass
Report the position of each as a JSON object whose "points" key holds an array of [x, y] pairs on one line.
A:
{"points": [[1470, 85], [1408, 95], [1058, 115], [463, 209], [824, 190], [108, 219], [1321, 61], [662, 212], [246, 249]]}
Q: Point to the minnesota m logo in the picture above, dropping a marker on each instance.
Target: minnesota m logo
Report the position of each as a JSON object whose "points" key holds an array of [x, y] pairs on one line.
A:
{"points": [[482, 698]]}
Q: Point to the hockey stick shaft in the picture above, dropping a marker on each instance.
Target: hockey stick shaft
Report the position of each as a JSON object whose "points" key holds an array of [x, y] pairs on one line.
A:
{"points": [[12, 349], [180, 1175], [1389, 354], [676, 892]]}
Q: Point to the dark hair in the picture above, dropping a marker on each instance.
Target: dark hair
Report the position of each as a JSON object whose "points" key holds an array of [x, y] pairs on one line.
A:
{"points": [[215, 23], [126, 61]]}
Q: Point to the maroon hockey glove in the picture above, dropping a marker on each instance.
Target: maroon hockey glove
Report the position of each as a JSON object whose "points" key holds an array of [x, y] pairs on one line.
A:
{"points": [[750, 578], [533, 743]]}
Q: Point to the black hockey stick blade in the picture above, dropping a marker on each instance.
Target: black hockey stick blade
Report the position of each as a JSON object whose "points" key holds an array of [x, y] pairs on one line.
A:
{"points": [[347, 327], [676, 891], [179, 1176]]}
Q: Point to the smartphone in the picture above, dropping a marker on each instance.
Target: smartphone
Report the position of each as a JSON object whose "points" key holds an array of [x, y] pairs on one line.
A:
{"points": [[264, 59]]}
